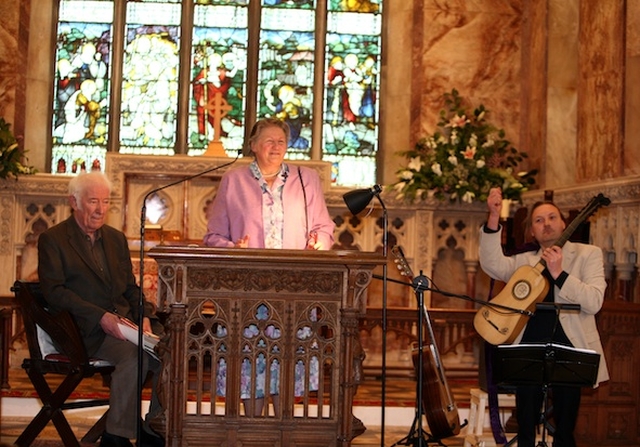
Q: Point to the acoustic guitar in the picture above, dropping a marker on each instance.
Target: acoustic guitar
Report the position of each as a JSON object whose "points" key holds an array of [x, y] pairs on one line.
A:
{"points": [[437, 402], [527, 287]]}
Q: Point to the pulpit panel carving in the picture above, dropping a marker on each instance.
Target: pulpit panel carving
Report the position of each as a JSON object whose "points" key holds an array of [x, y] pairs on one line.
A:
{"points": [[268, 336]]}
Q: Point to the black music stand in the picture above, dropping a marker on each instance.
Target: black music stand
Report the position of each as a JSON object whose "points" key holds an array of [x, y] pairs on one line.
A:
{"points": [[547, 365]]}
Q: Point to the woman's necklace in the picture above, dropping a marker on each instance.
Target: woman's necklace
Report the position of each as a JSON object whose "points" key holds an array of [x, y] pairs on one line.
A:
{"points": [[271, 175]]}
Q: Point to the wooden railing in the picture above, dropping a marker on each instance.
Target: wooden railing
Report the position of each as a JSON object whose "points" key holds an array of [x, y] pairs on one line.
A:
{"points": [[456, 339]]}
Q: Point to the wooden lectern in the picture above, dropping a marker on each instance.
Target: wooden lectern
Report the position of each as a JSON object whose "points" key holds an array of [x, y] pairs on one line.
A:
{"points": [[284, 320]]}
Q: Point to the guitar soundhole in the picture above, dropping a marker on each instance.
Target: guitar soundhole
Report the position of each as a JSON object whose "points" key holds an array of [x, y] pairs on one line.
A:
{"points": [[521, 290]]}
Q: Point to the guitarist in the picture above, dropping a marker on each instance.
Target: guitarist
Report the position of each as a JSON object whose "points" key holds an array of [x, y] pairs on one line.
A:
{"points": [[575, 274]]}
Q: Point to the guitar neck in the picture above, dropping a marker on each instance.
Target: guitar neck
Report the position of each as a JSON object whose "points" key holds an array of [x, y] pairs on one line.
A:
{"points": [[571, 228]]}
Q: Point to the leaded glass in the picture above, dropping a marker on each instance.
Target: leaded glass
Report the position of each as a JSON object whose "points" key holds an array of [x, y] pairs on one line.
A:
{"points": [[350, 130], [293, 4], [222, 2], [355, 5], [81, 94], [150, 79], [285, 74], [219, 41], [219, 60]]}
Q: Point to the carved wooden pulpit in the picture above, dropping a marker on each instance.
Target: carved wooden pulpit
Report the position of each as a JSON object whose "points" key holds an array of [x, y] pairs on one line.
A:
{"points": [[246, 323]]}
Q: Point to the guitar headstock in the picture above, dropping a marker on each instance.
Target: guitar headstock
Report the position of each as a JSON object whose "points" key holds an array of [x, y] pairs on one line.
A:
{"points": [[601, 200], [401, 262], [590, 208], [595, 203]]}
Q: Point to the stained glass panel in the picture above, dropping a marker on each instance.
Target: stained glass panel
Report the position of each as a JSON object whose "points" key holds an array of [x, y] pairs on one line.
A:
{"points": [[219, 60], [355, 5], [81, 92], [350, 130], [222, 2], [150, 78], [289, 4], [285, 76]]}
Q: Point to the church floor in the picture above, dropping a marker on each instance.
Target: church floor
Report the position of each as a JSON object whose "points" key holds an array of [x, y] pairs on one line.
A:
{"points": [[399, 414]]}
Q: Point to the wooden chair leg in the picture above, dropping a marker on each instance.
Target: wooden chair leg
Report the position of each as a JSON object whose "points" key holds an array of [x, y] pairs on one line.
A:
{"points": [[52, 405], [64, 430], [96, 431]]}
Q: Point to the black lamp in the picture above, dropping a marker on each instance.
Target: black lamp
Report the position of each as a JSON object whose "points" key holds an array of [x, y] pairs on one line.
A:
{"points": [[357, 200]]}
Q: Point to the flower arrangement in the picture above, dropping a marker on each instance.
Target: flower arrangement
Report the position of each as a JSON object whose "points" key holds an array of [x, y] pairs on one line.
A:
{"points": [[10, 154], [464, 158]]}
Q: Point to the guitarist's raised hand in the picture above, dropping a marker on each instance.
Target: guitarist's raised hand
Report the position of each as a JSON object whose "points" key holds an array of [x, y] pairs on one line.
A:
{"points": [[494, 203]]}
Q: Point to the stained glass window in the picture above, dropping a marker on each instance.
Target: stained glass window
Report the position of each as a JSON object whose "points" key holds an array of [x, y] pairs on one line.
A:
{"points": [[218, 76], [285, 76], [82, 82], [183, 84], [350, 122]]}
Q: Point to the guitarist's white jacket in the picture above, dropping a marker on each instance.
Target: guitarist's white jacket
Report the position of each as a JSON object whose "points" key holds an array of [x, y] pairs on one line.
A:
{"points": [[585, 286]]}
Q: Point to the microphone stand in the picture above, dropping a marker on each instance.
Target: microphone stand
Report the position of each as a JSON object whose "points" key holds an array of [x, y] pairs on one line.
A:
{"points": [[383, 390], [143, 219], [417, 434]]}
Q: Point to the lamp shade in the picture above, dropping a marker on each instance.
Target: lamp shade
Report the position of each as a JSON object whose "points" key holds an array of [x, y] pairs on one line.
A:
{"points": [[358, 199]]}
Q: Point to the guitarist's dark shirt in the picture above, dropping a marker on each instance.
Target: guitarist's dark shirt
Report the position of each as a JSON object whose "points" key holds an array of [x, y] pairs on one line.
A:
{"points": [[544, 326]]}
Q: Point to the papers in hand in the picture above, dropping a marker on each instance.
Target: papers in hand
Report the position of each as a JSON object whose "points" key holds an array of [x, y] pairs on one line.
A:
{"points": [[130, 332]]}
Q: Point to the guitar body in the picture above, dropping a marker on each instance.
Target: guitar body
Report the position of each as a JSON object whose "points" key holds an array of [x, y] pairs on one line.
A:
{"points": [[526, 287], [441, 414]]}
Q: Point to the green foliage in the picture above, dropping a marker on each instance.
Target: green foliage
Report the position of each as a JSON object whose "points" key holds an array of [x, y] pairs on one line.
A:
{"points": [[11, 156], [464, 158]]}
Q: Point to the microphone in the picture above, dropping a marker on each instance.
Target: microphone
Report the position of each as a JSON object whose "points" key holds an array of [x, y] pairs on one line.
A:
{"points": [[557, 306], [143, 218]]}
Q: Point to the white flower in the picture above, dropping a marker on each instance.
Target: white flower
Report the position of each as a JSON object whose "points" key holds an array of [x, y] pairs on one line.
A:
{"points": [[514, 185], [480, 164], [468, 197], [454, 138], [453, 160], [415, 164], [399, 186], [406, 174], [437, 169]]}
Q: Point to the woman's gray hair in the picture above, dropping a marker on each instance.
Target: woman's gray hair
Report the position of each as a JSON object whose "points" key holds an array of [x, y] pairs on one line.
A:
{"points": [[262, 124], [80, 183]]}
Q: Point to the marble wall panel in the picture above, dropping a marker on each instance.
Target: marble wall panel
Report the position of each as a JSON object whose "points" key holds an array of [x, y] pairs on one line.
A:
{"points": [[601, 96], [473, 47], [632, 92], [9, 24]]}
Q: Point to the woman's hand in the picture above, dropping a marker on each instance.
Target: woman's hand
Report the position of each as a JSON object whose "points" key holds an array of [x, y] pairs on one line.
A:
{"points": [[243, 242], [312, 242]]}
